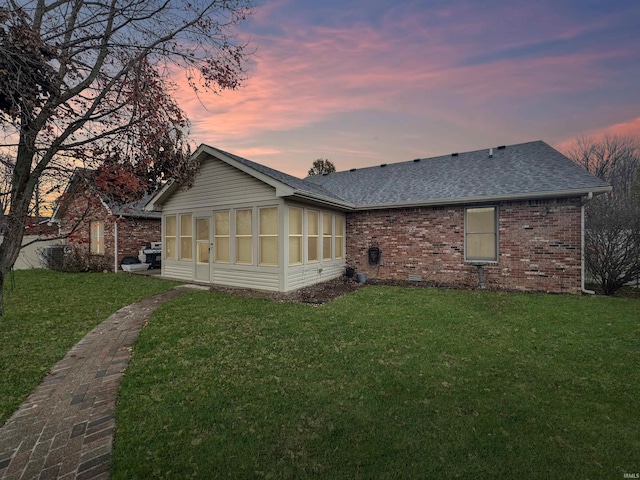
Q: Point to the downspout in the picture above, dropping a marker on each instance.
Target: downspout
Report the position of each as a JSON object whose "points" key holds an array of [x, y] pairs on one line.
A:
{"points": [[584, 290], [115, 236]]}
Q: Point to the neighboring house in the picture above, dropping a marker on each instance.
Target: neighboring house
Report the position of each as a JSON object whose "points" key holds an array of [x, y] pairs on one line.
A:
{"points": [[517, 211], [95, 225], [38, 235]]}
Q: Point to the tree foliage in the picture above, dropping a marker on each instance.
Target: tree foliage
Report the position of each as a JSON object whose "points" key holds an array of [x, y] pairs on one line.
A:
{"points": [[89, 84], [322, 166]]}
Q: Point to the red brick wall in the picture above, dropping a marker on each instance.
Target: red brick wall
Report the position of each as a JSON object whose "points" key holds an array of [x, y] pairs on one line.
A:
{"points": [[132, 232], [539, 245]]}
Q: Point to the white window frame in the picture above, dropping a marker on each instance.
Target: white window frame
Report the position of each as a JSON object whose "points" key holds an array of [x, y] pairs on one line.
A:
{"points": [[174, 237], [339, 239], [299, 237], [217, 236], [317, 236], [330, 237], [262, 236], [243, 236], [182, 236]]}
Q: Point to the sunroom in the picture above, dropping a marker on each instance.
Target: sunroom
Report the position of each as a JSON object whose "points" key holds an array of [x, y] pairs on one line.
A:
{"points": [[239, 226]]}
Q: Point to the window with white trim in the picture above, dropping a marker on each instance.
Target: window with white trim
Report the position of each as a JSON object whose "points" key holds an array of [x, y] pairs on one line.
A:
{"points": [[221, 237], [339, 235], [244, 238], [295, 236], [268, 236], [327, 234], [481, 234], [313, 240], [170, 237], [186, 237]]}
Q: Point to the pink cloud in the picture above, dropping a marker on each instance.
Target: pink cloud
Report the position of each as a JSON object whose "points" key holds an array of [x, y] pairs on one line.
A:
{"points": [[629, 128], [310, 74]]}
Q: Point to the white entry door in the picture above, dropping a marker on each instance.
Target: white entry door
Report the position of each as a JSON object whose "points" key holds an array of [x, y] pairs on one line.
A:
{"points": [[203, 250]]}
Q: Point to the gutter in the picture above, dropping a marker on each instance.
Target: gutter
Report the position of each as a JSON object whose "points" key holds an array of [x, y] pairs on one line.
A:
{"points": [[488, 198], [582, 288]]}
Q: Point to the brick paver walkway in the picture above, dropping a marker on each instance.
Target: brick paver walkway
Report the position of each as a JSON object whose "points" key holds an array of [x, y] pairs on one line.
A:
{"points": [[65, 427]]}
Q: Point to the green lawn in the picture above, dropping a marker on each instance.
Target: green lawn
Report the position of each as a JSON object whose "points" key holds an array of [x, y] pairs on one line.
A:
{"points": [[47, 312], [384, 383]]}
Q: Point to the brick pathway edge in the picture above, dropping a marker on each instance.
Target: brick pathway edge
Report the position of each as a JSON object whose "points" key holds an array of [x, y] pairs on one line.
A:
{"points": [[64, 429]]}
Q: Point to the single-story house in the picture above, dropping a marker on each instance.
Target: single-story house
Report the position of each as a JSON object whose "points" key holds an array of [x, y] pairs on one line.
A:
{"points": [[95, 224], [512, 213]]}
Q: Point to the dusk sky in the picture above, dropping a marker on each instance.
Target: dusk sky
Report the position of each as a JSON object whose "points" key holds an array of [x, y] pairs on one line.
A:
{"points": [[369, 82]]}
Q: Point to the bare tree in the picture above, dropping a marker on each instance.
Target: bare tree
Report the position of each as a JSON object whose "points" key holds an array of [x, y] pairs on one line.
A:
{"points": [[321, 166], [614, 159], [89, 83], [612, 242], [612, 223]]}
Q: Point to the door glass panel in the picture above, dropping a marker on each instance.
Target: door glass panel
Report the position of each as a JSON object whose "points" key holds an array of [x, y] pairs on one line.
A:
{"points": [[202, 240]]}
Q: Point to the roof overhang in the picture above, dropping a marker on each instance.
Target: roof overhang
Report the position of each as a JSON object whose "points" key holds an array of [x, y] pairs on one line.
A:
{"points": [[320, 200], [581, 192]]}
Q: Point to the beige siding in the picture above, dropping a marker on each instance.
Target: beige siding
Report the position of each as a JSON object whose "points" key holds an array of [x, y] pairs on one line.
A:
{"points": [[29, 256], [257, 278], [218, 185], [305, 275], [178, 270]]}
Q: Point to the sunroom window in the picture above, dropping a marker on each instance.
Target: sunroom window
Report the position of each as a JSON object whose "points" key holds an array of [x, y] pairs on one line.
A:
{"points": [[268, 236], [244, 239], [295, 236], [327, 234], [339, 236], [186, 237], [312, 236], [170, 237], [221, 242]]}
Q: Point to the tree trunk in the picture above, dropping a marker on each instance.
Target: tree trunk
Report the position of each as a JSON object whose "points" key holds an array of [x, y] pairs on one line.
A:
{"points": [[23, 183]]}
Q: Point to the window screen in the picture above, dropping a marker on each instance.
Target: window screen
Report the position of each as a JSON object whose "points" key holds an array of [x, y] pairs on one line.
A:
{"points": [[481, 234]]}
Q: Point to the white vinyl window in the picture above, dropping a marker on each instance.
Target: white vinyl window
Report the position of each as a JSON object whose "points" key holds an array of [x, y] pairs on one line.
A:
{"points": [[170, 237], [327, 234], [268, 236], [221, 242], [295, 236], [186, 237], [244, 238], [97, 237], [481, 234], [313, 241], [339, 235]]}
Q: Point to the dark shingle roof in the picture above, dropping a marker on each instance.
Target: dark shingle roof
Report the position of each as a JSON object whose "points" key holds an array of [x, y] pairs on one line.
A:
{"points": [[133, 209], [527, 169], [82, 177]]}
